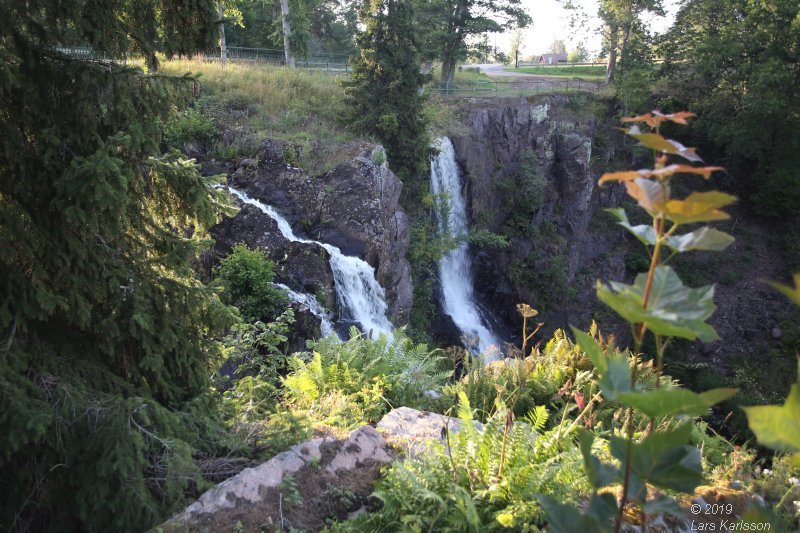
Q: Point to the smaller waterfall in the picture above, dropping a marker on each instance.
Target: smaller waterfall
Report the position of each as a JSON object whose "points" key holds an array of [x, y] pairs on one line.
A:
{"points": [[357, 290], [455, 269], [309, 301]]}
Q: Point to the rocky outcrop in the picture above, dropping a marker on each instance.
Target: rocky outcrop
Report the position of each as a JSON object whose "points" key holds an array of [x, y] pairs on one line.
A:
{"points": [[558, 240], [304, 267], [313, 472], [291, 490], [354, 207], [414, 430]]}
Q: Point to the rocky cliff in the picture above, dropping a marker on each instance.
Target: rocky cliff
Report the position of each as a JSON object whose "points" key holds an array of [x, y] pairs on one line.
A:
{"points": [[354, 207], [543, 149]]}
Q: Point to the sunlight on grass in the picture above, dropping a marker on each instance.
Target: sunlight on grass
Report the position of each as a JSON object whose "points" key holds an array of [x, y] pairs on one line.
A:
{"points": [[253, 102], [586, 72]]}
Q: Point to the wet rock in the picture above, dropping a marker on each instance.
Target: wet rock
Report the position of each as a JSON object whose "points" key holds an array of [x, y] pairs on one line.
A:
{"points": [[354, 207]]}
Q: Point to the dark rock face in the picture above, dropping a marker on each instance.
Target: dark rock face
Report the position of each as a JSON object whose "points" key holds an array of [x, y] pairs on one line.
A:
{"points": [[354, 207], [303, 267], [558, 242]]}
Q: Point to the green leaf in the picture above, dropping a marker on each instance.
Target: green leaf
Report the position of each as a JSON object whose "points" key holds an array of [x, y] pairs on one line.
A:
{"points": [[568, 518], [763, 519], [671, 402], [793, 293], [599, 474], [663, 459], [673, 310], [645, 233], [777, 426], [617, 377], [602, 507], [614, 371], [663, 504], [705, 238], [591, 348]]}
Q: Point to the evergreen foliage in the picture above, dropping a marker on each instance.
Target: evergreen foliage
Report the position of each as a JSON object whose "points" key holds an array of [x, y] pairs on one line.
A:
{"points": [[384, 90], [105, 329]]}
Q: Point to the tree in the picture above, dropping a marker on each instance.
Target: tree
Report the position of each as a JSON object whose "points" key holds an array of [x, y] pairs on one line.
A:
{"points": [[621, 18], [517, 43], [737, 65], [105, 330], [447, 26], [382, 94], [227, 12], [286, 26], [557, 47], [579, 55]]}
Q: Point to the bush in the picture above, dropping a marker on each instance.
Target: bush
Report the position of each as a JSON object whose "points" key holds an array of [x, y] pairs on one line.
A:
{"points": [[246, 278], [355, 382], [188, 125]]}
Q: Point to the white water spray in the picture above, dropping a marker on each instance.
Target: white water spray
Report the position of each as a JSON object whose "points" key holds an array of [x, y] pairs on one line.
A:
{"points": [[316, 309], [455, 269], [357, 290]]}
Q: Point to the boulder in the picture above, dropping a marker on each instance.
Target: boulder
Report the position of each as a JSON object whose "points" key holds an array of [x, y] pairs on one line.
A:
{"points": [[293, 489], [415, 430]]}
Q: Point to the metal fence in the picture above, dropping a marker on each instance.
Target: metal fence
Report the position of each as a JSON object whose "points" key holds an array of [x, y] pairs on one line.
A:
{"points": [[334, 63], [562, 64], [517, 87], [85, 53]]}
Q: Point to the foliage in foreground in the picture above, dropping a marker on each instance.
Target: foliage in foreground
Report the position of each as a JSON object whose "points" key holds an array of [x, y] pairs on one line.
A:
{"points": [[105, 329]]}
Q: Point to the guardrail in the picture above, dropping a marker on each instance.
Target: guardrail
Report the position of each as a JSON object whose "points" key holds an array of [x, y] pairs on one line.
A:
{"points": [[520, 87]]}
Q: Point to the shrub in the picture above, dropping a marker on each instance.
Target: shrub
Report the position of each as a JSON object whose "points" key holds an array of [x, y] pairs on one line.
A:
{"points": [[246, 278], [188, 125], [345, 384]]}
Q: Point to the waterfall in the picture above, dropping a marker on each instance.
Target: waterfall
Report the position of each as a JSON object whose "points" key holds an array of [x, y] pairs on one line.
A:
{"points": [[310, 302], [455, 270], [357, 290]]}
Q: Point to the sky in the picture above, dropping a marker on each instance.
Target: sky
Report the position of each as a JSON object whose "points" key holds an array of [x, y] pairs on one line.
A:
{"points": [[551, 21]]}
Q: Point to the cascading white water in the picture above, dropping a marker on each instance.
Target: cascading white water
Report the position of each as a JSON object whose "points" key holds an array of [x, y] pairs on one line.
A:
{"points": [[455, 270], [310, 302], [357, 290]]}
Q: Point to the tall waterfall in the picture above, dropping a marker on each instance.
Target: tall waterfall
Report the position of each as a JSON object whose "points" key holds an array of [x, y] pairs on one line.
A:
{"points": [[357, 290], [455, 269]]}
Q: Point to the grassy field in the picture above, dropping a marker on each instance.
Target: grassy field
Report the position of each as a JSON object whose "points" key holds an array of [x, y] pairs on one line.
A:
{"points": [[585, 72], [251, 102]]}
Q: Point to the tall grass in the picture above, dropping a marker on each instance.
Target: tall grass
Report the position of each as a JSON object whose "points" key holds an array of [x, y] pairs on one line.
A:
{"points": [[252, 102], [273, 88]]}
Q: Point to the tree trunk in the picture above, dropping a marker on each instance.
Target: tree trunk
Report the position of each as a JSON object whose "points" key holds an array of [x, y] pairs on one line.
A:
{"points": [[611, 68], [223, 49], [287, 32], [448, 70]]}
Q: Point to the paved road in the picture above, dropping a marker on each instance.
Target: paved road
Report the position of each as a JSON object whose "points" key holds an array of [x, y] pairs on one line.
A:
{"points": [[535, 81]]}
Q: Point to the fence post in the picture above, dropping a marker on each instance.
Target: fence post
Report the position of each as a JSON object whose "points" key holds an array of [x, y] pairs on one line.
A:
{"points": [[495, 88]]}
